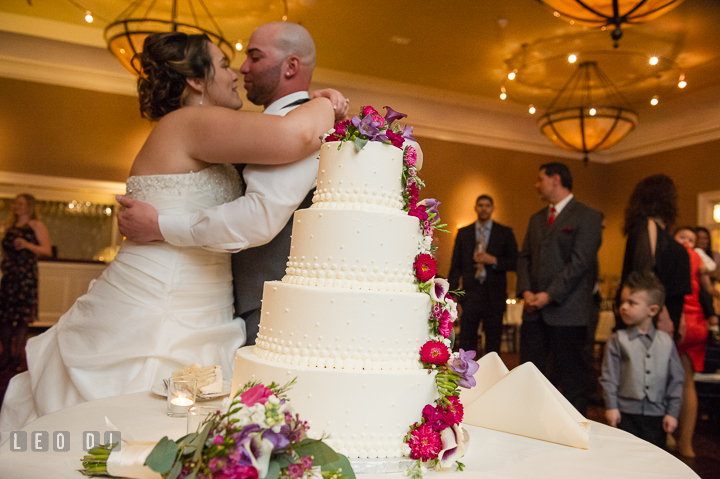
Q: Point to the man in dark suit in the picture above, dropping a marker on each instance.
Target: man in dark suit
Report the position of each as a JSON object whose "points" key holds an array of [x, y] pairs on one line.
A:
{"points": [[556, 276], [483, 252]]}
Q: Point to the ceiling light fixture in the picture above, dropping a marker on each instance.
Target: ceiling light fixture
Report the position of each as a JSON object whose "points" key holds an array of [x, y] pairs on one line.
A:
{"points": [[126, 34], [569, 123], [602, 13]]}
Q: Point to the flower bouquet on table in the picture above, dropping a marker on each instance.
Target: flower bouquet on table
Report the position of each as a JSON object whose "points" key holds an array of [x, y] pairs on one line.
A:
{"points": [[257, 437]]}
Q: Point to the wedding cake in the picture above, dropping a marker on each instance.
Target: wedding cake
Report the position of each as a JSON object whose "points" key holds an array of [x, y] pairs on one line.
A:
{"points": [[348, 319]]}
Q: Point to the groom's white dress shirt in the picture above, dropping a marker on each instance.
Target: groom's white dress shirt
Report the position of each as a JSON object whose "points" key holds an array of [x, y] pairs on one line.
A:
{"points": [[272, 195]]}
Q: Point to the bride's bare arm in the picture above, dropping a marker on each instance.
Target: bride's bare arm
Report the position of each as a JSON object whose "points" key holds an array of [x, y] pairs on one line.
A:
{"points": [[220, 135]]}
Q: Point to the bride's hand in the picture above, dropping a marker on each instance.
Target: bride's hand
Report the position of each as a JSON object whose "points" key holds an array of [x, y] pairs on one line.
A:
{"points": [[338, 100]]}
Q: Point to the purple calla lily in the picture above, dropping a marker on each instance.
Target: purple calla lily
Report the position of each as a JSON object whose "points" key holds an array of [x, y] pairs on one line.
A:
{"points": [[407, 133], [278, 440], [393, 115]]}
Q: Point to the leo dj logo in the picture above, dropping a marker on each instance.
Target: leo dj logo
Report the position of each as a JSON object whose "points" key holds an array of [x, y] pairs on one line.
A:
{"points": [[59, 441]]}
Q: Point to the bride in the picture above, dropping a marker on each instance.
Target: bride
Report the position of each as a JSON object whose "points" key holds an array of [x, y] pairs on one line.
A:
{"points": [[159, 307]]}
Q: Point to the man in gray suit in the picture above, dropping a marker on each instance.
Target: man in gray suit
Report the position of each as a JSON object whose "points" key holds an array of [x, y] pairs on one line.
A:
{"points": [[556, 276]]}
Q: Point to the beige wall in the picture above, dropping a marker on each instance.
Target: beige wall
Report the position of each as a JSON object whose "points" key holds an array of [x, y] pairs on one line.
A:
{"points": [[62, 131], [59, 131]]}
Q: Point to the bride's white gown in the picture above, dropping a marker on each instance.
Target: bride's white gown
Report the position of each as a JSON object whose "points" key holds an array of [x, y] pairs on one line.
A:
{"points": [[155, 309]]}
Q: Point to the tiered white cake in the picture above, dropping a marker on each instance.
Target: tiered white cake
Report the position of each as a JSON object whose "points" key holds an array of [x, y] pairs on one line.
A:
{"points": [[347, 319]]}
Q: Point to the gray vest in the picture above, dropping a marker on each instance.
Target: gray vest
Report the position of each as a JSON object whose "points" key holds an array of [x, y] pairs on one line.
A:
{"points": [[644, 372]]}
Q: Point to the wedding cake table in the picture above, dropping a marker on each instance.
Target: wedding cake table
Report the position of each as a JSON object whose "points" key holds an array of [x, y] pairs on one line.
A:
{"points": [[491, 454]]}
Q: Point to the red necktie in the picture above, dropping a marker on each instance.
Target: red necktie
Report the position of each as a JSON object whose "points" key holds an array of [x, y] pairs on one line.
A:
{"points": [[551, 218]]}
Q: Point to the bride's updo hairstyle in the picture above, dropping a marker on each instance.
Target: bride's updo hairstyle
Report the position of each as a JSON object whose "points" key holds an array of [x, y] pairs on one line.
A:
{"points": [[168, 60]]}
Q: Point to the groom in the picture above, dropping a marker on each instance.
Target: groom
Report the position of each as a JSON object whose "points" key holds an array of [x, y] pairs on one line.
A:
{"points": [[277, 72]]}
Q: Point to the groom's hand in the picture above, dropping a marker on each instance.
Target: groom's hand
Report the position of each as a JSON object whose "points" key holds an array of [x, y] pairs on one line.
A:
{"points": [[138, 222]]}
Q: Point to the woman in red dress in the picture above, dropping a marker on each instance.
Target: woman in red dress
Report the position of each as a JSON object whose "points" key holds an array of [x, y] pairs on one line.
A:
{"points": [[691, 346]]}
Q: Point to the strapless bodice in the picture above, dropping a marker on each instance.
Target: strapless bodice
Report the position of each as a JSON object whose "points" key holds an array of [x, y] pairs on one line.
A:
{"points": [[187, 192]]}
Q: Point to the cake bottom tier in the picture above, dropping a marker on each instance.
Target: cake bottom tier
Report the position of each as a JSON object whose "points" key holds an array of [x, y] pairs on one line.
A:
{"points": [[366, 413]]}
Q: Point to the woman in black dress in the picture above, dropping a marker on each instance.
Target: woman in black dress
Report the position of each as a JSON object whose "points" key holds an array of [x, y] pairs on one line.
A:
{"points": [[649, 218], [25, 240]]}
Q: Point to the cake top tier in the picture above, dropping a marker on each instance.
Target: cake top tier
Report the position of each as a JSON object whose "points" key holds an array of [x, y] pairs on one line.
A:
{"points": [[369, 179]]}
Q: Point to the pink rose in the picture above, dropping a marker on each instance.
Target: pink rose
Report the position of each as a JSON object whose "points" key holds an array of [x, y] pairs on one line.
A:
{"points": [[256, 394], [368, 110]]}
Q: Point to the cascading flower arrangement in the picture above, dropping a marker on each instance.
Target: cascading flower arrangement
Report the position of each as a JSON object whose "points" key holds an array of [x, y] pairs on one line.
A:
{"points": [[257, 437], [437, 440]]}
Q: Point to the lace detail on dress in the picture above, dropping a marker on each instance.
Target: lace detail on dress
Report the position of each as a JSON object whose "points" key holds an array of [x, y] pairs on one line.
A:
{"points": [[222, 180]]}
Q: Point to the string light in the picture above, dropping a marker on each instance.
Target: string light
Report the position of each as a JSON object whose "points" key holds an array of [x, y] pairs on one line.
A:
{"points": [[511, 75], [572, 58], [592, 111], [88, 17], [653, 61], [238, 46], [503, 95], [531, 110], [654, 100]]}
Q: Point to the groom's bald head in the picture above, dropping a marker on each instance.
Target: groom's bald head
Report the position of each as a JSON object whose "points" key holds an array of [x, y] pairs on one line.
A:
{"points": [[280, 60]]}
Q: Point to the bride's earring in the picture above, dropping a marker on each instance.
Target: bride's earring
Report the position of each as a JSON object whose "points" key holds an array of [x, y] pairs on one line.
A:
{"points": [[202, 96]]}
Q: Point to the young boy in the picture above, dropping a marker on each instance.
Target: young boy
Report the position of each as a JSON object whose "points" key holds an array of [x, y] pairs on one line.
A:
{"points": [[642, 375]]}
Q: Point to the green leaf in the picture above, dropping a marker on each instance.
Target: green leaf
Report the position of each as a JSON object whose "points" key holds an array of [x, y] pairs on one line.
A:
{"points": [[321, 453], [175, 471], [284, 460], [162, 456], [342, 465], [360, 143], [202, 437], [273, 470]]}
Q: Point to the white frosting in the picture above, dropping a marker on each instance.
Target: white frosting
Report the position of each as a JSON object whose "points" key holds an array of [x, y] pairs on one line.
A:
{"points": [[366, 413], [353, 249], [342, 329], [369, 179]]}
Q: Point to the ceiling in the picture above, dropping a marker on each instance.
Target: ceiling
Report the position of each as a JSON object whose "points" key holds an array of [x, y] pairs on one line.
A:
{"points": [[446, 60]]}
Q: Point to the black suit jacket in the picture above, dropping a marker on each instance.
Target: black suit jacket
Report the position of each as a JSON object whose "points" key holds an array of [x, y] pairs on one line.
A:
{"points": [[560, 260], [502, 245]]}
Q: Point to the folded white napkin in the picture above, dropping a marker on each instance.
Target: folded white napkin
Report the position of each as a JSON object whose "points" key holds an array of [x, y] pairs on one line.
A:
{"points": [[522, 402], [130, 459]]}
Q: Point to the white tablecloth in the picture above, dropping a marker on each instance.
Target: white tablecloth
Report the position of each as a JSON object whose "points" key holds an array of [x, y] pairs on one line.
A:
{"points": [[612, 454]]}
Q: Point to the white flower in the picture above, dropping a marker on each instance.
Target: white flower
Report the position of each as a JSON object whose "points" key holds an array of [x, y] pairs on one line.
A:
{"points": [[265, 448], [439, 289], [425, 244], [454, 443], [451, 306], [405, 449]]}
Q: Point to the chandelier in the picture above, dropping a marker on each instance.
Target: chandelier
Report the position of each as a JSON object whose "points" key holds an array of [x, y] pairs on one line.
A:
{"points": [[126, 35], [588, 114], [603, 13]]}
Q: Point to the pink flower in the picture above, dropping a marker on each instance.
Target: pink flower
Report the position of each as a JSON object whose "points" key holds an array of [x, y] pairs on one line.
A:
{"points": [[436, 309], [434, 352], [330, 138], [424, 443], [368, 110], [341, 128], [306, 462], [376, 117], [218, 440], [296, 471], [446, 325], [412, 171], [418, 211], [396, 139], [256, 394], [410, 156], [425, 267], [455, 409]]}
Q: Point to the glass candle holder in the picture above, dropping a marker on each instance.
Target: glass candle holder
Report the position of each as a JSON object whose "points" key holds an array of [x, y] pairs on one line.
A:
{"points": [[180, 396], [197, 415]]}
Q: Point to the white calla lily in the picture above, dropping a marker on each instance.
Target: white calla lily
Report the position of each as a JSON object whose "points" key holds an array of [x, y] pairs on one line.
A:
{"points": [[439, 289], [454, 444], [265, 448]]}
